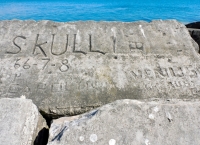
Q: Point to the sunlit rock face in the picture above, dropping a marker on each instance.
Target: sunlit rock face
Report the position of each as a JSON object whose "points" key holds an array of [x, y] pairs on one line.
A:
{"points": [[21, 123], [131, 122], [70, 68]]}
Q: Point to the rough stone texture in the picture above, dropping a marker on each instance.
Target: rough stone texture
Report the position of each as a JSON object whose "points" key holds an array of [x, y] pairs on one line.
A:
{"points": [[20, 122], [70, 68], [57, 125], [131, 122]]}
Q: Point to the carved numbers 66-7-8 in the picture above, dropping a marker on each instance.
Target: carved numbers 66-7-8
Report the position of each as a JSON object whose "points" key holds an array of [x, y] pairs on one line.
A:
{"points": [[41, 63]]}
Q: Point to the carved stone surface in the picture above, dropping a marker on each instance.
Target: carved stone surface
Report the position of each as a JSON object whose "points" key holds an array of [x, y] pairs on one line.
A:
{"points": [[20, 122], [70, 68], [131, 122]]}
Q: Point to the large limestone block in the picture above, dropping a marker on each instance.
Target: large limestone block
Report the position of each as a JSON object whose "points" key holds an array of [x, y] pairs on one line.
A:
{"points": [[70, 68], [20, 122], [131, 122]]}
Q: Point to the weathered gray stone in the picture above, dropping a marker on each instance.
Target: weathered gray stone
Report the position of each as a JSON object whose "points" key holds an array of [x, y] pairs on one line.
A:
{"points": [[57, 125], [20, 122], [131, 122], [70, 68]]}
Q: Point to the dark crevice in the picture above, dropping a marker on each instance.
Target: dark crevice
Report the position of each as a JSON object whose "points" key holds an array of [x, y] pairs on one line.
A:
{"points": [[49, 117], [42, 137], [194, 29], [195, 25], [196, 37]]}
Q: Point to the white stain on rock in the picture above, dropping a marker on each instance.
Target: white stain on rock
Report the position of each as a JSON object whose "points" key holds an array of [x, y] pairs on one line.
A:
{"points": [[126, 101], [112, 142], [142, 30], [81, 138], [23, 96], [147, 142], [151, 116], [114, 30], [139, 136], [93, 137], [156, 109], [121, 78]]}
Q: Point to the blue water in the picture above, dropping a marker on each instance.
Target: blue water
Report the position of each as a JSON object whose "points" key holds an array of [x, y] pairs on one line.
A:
{"points": [[185, 11]]}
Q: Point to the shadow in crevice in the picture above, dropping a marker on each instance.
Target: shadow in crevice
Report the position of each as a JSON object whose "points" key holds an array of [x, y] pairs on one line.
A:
{"points": [[42, 137], [194, 29], [195, 25]]}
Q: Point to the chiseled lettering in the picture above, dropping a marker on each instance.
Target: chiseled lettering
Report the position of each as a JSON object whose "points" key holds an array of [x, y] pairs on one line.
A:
{"points": [[74, 47], [163, 72], [191, 72], [53, 35], [135, 45], [171, 70], [90, 46], [149, 73], [39, 46], [41, 87], [178, 71], [19, 48], [137, 74], [56, 87], [114, 44], [14, 88], [17, 75]]}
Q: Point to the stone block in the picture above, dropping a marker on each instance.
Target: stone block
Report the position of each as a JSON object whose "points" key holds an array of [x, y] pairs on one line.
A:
{"points": [[70, 68], [131, 122], [21, 123]]}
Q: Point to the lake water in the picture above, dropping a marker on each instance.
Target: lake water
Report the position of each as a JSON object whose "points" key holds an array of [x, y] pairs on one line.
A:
{"points": [[185, 11]]}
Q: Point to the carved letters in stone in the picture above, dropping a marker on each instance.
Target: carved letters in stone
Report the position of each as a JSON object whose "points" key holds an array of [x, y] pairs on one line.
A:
{"points": [[76, 66]]}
